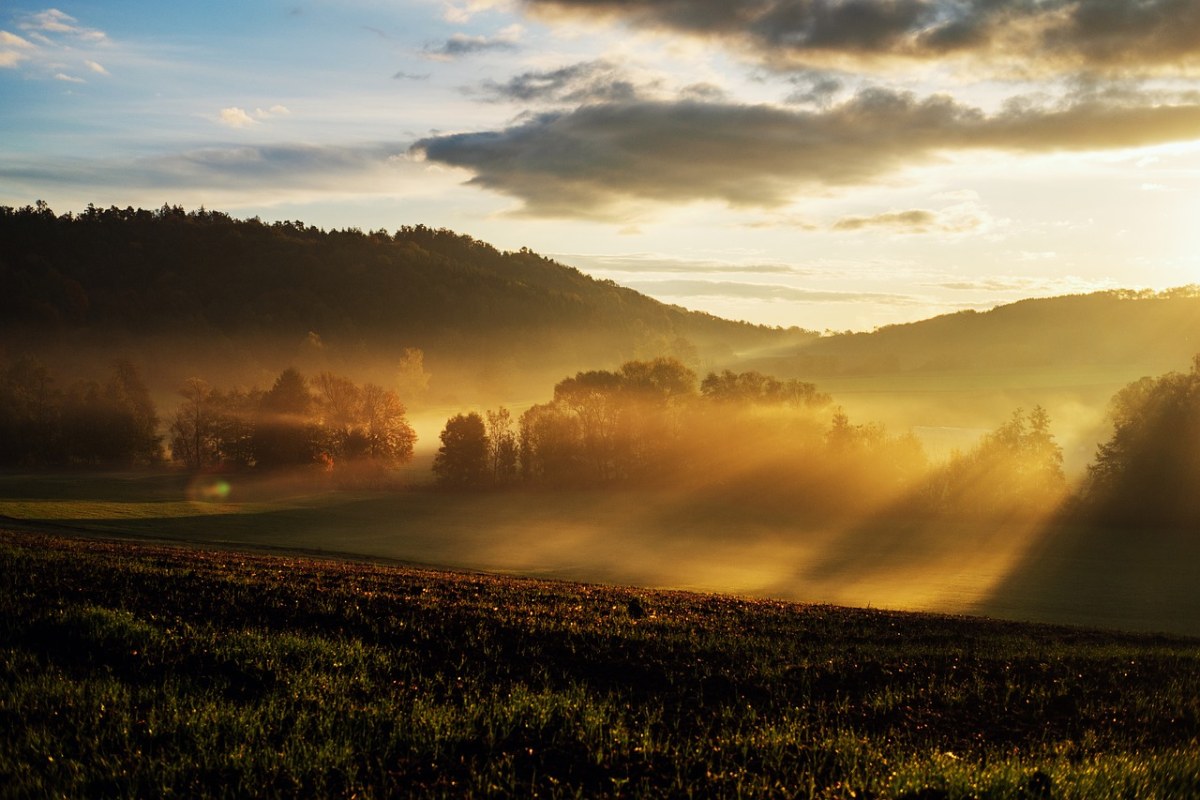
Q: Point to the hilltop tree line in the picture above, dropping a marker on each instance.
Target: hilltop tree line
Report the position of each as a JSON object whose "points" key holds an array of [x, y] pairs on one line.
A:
{"points": [[175, 272]]}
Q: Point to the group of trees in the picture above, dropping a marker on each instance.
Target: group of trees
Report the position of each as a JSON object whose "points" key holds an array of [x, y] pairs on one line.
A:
{"points": [[747, 434], [329, 420], [1148, 472], [86, 424], [1016, 469], [646, 420]]}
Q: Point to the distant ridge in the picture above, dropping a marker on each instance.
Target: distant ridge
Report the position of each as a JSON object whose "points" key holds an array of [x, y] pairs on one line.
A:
{"points": [[1154, 331], [130, 275]]}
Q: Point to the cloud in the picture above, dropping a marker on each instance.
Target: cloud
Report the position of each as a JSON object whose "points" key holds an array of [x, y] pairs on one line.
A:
{"points": [[237, 171], [1025, 37], [13, 49], [411, 76], [815, 87], [461, 44], [913, 221], [51, 41], [591, 161], [763, 291], [53, 21], [656, 263], [236, 117], [585, 82], [1028, 286]]}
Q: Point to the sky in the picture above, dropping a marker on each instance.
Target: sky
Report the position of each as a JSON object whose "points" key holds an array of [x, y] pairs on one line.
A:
{"points": [[828, 164]]}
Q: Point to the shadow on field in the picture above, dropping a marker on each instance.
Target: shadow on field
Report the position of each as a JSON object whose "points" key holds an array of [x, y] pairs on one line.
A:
{"points": [[1139, 579], [1018, 568]]}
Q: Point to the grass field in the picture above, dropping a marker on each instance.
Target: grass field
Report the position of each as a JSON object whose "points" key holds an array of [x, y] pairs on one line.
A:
{"points": [[654, 539], [134, 670]]}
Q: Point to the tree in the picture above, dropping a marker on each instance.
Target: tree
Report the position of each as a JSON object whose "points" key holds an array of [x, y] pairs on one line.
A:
{"points": [[362, 423], [502, 446], [284, 433], [754, 387], [195, 437], [1148, 470], [550, 444], [462, 460], [388, 436], [1014, 470], [411, 377], [114, 424], [29, 414]]}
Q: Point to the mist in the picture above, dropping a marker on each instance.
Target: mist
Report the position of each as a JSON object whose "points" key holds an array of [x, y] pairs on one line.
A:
{"points": [[422, 396]]}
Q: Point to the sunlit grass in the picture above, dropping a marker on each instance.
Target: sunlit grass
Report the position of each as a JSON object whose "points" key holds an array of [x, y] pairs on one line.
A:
{"points": [[136, 671]]}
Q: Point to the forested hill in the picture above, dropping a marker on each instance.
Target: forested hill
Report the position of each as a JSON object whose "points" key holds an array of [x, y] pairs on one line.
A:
{"points": [[1149, 331], [126, 274]]}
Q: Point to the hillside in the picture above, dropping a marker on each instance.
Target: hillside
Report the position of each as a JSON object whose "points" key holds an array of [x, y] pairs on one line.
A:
{"points": [[1152, 332], [206, 291]]}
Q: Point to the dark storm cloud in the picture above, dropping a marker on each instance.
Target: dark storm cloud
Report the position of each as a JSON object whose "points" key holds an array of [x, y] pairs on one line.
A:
{"points": [[585, 82], [1031, 36], [586, 162]]}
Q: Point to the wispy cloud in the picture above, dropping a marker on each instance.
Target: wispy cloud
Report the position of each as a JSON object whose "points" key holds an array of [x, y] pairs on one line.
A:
{"points": [[232, 172], [236, 117], [913, 221], [585, 82], [589, 161], [658, 263], [765, 291], [14, 49], [53, 21], [53, 45], [461, 44]]}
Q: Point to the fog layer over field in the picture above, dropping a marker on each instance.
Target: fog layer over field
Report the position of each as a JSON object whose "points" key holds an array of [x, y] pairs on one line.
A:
{"points": [[644, 475]]}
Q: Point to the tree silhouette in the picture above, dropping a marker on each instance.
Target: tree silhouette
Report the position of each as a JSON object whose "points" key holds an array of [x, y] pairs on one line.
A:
{"points": [[1148, 470], [502, 447], [284, 435], [462, 460], [195, 428]]}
